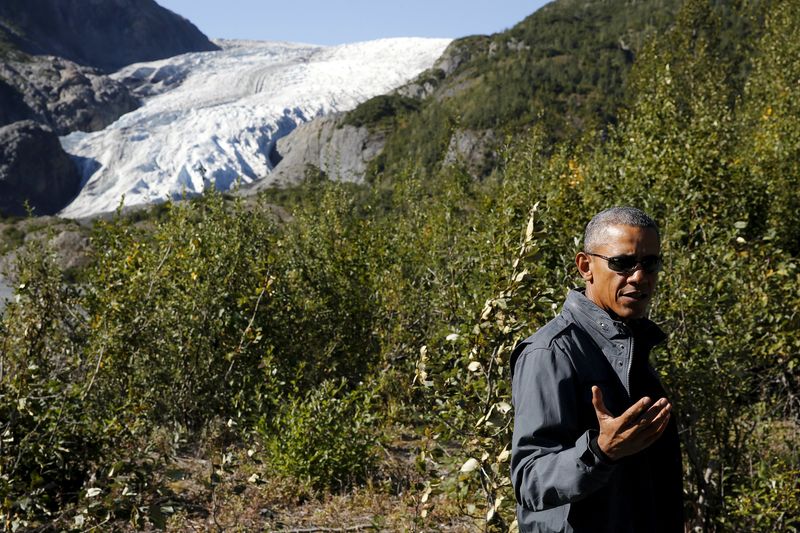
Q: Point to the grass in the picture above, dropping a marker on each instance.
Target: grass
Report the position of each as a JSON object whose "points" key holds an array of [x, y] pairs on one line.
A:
{"points": [[209, 486]]}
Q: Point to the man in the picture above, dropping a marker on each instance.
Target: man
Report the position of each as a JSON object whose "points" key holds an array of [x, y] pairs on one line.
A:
{"points": [[595, 448]]}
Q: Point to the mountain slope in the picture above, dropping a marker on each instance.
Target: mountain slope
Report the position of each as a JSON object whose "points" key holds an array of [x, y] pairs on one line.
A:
{"points": [[61, 96], [33, 170], [563, 67], [107, 34]]}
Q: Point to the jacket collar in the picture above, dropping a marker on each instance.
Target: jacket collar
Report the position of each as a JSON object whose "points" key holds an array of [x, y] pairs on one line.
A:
{"points": [[599, 324]]}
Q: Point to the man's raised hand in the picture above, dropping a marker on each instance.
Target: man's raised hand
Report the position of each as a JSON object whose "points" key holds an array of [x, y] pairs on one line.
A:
{"points": [[632, 431]]}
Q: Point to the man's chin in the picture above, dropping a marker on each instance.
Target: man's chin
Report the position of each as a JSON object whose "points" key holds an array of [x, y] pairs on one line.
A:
{"points": [[632, 312]]}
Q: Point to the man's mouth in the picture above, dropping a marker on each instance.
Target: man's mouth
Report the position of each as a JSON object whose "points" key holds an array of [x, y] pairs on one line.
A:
{"points": [[636, 295]]}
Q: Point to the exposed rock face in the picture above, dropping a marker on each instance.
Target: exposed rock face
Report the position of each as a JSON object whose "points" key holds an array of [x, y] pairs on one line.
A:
{"points": [[342, 152], [423, 85], [144, 80], [474, 150], [452, 58], [106, 34], [34, 168], [12, 105], [66, 96]]}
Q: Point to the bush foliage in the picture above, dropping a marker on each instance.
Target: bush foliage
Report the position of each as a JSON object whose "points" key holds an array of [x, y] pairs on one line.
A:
{"points": [[399, 302]]}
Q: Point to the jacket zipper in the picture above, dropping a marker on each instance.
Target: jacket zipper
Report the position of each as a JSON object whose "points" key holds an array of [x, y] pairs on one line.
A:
{"points": [[628, 373]]}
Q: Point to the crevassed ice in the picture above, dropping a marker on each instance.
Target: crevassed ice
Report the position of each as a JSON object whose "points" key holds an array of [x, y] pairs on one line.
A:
{"points": [[211, 117]]}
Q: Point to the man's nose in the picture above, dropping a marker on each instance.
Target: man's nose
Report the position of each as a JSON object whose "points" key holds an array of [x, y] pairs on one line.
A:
{"points": [[638, 275]]}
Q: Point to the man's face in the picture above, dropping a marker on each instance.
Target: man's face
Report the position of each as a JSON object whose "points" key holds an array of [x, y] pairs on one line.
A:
{"points": [[624, 295]]}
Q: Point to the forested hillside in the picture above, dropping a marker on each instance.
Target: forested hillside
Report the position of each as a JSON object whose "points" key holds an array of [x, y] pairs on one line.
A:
{"points": [[564, 68], [337, 355]]}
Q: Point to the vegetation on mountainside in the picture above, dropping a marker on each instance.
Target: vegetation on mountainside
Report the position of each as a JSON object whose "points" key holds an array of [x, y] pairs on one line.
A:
{"points": [[564, 67], [379, 112], [7, 46], [300, 357]]}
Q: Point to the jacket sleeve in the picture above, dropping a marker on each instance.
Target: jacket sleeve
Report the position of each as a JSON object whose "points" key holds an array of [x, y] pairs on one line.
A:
{"points": [[549, 466]]}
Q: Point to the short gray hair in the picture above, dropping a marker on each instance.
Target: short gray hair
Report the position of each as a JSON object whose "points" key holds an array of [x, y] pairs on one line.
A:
{"points": [[615, 216]]}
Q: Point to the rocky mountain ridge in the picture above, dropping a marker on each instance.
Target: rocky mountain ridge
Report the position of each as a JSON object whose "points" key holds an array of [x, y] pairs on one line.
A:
{"points": [[66, 96], [53, 59], [34, 172], [106, 34], [341, 152]]}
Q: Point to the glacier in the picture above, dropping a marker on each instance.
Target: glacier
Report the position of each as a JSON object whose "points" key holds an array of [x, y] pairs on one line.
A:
{"points": [[212, 117]]}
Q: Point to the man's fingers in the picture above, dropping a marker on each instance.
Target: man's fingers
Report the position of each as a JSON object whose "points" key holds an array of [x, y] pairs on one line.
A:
{"points": [[635, 411], [654, 413], [652, 429], [658, 431]]}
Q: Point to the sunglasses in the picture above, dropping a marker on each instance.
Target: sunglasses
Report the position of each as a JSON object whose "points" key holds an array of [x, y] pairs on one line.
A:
{"points": [[628, 264]]}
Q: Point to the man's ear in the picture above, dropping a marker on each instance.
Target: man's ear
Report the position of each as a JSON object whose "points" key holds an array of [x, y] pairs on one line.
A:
{"points": [[583, 262]]}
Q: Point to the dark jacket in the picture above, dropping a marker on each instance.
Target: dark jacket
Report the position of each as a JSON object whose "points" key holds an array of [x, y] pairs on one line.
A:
{"points": [[560, 483]]}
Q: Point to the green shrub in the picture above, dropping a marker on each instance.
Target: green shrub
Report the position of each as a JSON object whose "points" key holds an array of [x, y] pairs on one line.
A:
{"points": [[51, 429], [176, 312], [770, 501], [325, 437], [321, 309]]}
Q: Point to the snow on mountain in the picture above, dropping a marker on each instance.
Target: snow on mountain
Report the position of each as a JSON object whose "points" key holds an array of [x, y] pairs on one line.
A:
{"points": [[211, 117]]}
